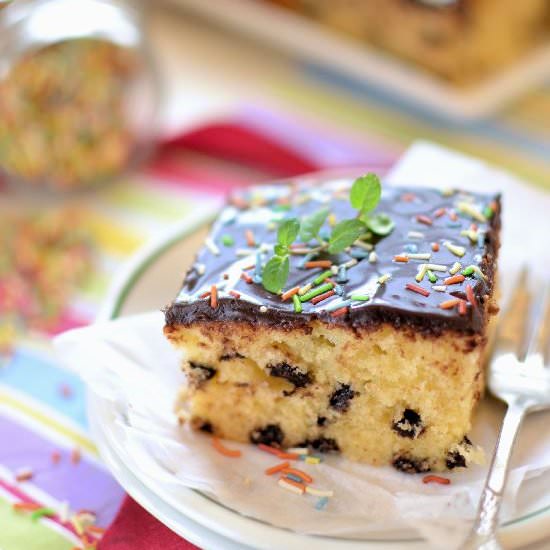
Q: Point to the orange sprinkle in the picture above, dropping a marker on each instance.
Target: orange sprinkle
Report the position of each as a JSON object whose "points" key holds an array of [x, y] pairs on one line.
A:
{"points": [[75, 456], [317, 263], [56, 457], [439, 212], [462, 307], [471, 296], [339, 312], [250, 240], [305, 477], [289, 456], [494, 206], [453, 216], [402, 259], [205, 294], [449, 304], [213, 296], [231, 453], [95, 530], [289, 293], [322, 297], [417, 289], [295, 483], [269, 449], [235, 294], [436, 479], [424, 219], [435, 247], [277, 468], [408, 197], [246, 277], [455, 279], [26, 506], [24, 476], [239, 202]]}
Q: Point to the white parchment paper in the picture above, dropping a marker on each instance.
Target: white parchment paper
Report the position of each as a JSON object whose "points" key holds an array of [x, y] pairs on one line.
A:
{"points": [[129, 363]]}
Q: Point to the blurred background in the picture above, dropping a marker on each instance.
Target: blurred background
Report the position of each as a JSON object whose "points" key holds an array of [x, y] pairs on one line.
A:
{"points": [[119, 119]]}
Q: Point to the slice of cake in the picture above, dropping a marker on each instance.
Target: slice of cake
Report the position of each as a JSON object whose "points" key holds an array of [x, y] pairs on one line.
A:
{"points": [[312, 319], [463, 41]]}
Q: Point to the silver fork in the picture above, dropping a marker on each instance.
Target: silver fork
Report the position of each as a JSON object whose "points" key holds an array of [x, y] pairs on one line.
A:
{"points": [[518, 375]]}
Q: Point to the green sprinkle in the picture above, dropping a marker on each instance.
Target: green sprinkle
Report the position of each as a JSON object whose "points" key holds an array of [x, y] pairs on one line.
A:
{"points": [[488, 212], [468, 271], [42, 512], [316, 291], [228, 240], [280, 207], [360, 298], [297, 303], [431, 276], [320, 278]]}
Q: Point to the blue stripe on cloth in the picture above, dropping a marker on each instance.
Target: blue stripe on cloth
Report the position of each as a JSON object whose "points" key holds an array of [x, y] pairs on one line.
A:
{"points": [[34, 374]]}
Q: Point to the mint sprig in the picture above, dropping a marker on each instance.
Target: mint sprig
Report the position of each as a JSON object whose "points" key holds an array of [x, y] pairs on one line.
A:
{"points": [[365, 195]]}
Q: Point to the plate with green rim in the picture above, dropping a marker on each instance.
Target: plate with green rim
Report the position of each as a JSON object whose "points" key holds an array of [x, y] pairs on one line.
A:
{"points": [[149, 281]]}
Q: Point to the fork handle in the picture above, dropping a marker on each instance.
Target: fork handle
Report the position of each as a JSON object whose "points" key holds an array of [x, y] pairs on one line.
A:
{"points": [[483, 533]]}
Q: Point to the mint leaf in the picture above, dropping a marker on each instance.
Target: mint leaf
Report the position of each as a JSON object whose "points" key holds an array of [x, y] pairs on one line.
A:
{"points": [[280, 250], [275, 273], [288, 231], [380, 224], [345, 234], [311, 225], [365, 193]]}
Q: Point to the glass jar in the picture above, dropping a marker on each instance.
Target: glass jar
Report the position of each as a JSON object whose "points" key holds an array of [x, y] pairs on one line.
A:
{"points": [[79, 94]]}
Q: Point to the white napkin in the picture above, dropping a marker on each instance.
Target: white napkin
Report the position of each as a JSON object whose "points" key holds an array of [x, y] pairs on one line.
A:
{"points": [[129, 363]]}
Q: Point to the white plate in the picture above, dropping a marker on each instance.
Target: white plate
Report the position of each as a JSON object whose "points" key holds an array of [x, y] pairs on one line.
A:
{"points": [[314, 42], [151, 279]]}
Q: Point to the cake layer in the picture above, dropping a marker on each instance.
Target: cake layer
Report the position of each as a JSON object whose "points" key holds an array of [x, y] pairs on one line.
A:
{"points": [[381, 396], [449, 232]]}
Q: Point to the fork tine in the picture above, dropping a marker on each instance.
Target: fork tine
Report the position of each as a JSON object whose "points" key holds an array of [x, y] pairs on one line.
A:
{"points": [[512, 321], [536, 334]]}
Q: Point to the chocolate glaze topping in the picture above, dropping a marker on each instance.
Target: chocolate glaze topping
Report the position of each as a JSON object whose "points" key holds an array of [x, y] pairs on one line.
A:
{"points": [[258, 210]]}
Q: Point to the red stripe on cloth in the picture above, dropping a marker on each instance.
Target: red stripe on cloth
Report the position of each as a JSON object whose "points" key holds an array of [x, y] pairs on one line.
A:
{"points": [[136, 529], [244, 145]]}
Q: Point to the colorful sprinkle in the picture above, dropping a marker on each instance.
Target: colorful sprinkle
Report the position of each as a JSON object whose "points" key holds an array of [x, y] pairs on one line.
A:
{"points": [[319, 492], [431, 276], [317, 263], [468, 271], [424, 219], [457, 266], [42, 512], [24, 474], [303, 477], [337, 305], [455, 249], [421, 256], [436, 267], [250, 240], [235, 294], [316, 291], [289, 293], [402, 259], [449, 304], [383, 278], [321, 503], [436, 479], [231, 453], [312, 460], [470, 210], [415, 235], [360, 298], [322, 297], [320, 278], [292, 486], [462, 307], [439, 288], [488, 212], [297, 304], [247, 278], [417, 289], [439, 212], [470, 295], [339, 312], [422, 270], [227, 240], [213, 296], [373, 257], [277, 468], [435, 247], [454, 280], [209, 243]]}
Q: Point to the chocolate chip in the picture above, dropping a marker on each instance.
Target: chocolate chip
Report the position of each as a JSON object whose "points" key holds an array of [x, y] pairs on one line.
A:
{"points": [[229, 356], [321, 420], [202, 372], [466, 441], [268, 435], [340, 399], [409, 425], [292, 374], [206, 427], [322, 444], [455, 460], [410, 465]]}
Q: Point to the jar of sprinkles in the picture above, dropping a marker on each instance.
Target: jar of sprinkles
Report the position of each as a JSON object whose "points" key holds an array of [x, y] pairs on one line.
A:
{"points": [[78, 93]]}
